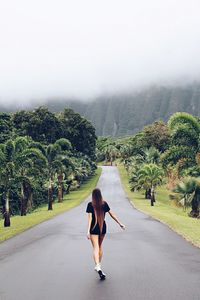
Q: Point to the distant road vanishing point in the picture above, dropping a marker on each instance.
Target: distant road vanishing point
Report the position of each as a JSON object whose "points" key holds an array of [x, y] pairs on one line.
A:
{"points": [[53, 260]]}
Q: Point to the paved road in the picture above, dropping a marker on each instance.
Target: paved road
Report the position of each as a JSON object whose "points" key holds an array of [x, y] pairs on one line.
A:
{"points": [[52, 261]]}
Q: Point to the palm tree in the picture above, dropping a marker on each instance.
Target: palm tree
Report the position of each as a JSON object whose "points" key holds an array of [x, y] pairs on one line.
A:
{"points": [[136, 184], [186, 189], [189, 189], [64, 164], [19, 165], [58, 166], [129, 162], [126, 150], [64, 168], [30, 164], [53, 162], [180, 118], [151, 155], [82, 169], [185, 133], [111, 152], [6, 174], [149, 177], [147, 155]]}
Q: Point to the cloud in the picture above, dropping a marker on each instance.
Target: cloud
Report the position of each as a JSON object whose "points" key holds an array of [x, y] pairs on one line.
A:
{"points": [[83, 48]]}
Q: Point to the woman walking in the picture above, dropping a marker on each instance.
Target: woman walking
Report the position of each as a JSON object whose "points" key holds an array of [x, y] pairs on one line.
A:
{"points": [[96, 210]]}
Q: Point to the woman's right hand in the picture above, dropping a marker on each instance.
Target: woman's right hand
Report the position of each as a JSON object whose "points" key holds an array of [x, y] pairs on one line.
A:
{"points": [[88, 236]]}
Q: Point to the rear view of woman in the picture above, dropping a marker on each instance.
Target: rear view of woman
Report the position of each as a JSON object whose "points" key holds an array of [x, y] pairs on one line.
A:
{"points": [[96, 210]]}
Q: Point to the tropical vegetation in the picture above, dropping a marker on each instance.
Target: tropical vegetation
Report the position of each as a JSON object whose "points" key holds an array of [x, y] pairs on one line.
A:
{"points": [[43, 155], [162, 153]]}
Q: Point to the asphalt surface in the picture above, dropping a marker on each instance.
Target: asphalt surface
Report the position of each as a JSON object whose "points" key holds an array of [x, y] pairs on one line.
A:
{"points": [[53, 260]]}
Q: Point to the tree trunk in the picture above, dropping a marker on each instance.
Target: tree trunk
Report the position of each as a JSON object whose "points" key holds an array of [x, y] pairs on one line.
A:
{"points": [[22, 201], [25, 194], [148, 194], [30, 201], [50, 196], [69, 183], [195, 206], [152, 196], [7, 212], [60, 189]]}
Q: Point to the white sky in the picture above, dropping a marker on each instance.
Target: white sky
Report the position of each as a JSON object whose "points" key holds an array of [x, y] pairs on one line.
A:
{"points": [[83, 48]]}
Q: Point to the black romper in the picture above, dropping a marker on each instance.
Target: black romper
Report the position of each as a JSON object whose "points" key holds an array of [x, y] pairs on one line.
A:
{"points": [[96, 229]]}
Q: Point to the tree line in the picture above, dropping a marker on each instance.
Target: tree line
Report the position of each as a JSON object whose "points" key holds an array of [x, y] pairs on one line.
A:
{"points": [[42, 156], [161, 153]]}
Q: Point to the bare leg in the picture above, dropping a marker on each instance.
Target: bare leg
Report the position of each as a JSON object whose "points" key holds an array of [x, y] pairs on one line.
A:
{"points": [[101, 237], [97, 253], [95, 243]]}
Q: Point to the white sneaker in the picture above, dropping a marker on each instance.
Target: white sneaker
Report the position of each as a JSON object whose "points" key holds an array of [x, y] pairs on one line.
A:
{"points": [[101, 273], [97, 267]]}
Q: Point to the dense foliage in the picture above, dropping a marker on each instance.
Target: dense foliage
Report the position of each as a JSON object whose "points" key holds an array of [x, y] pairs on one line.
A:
{"points": [[42, 156], [161, 153]]}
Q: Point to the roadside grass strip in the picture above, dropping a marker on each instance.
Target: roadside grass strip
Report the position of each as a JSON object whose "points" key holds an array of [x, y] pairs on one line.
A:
{"points": [[164, 210]]}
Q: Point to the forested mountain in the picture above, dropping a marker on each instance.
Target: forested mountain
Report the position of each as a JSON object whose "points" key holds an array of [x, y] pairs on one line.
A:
{"points": [[126, 113]]}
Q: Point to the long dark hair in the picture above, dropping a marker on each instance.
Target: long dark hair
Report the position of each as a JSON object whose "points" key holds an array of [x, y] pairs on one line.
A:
{"points": [[97, 202]]}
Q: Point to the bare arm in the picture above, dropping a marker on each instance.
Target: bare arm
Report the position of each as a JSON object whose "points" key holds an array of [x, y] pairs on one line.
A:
{"points": [[89, 224], [111, 213]]}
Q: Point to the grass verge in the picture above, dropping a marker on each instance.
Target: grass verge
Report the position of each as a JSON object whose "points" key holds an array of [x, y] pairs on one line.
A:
{"points": [[19, 224], [164, 210]]}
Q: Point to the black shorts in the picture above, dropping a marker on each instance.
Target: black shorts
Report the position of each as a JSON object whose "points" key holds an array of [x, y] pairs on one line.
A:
{"points": [[96, 229]]}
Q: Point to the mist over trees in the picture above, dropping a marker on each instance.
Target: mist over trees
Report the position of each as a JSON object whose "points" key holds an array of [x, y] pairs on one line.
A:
{"points": [[126, 113]]}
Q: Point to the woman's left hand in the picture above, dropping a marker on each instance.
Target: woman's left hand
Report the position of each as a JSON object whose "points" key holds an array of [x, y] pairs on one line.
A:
{"points": [[122, 226], [88, 236]]}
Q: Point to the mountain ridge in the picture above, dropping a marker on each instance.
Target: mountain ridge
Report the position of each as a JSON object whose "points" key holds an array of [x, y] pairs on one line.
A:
{"points": [[127, 113]]}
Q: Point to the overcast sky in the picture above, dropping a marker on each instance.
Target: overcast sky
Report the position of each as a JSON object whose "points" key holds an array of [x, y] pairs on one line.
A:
{"points": [[83, 48]]}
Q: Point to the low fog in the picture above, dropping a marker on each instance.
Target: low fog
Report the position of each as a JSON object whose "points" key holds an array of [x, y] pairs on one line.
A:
{"points": [[82, 49]]}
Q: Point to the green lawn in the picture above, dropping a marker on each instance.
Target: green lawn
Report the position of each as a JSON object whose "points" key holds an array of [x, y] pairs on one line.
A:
{"points": [[19, 224], [164, 211]]}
